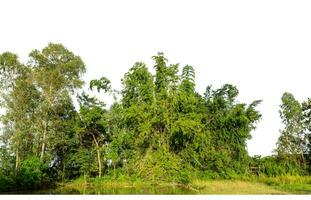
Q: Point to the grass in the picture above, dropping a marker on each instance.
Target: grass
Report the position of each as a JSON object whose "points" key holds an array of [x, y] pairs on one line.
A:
{"points": [[291, 184], [233, 187], [254, 185], [106, 185]]}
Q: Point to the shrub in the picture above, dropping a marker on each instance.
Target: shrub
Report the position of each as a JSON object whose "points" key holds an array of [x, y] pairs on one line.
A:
{"points": [[162, 166], [6, 183], [31, 173]]}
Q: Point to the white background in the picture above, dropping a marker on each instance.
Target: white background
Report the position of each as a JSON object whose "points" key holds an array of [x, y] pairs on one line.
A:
{"points": [[263, 47]]}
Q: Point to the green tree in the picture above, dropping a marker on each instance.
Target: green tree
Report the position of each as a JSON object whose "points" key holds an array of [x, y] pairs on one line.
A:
{"points": [[19, 98], [137, 86], [93, 126], [230, 124], [56, 72], [19, 118], [291, 141], [306, 120], [35, 97]]}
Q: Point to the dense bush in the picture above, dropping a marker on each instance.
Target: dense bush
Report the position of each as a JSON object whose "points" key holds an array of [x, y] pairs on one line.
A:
{"points": [[32, 173], [162, 166], [6, 183], [276, 166]]}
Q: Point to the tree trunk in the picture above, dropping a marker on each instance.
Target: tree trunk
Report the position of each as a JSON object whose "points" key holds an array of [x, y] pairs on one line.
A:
{"points": [[43, 141], [99, 163], [85, 183], [64, 166], [114, 168], [98, 157], [303, 160], [17, 159]]}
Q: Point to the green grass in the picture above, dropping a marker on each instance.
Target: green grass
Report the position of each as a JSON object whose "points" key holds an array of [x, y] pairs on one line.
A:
{"points": [[290, 184], [106, 185], [251, 185], [256, 185]]}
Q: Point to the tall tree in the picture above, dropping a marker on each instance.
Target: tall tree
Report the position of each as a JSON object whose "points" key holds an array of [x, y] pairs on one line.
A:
{"points": [[19, 99], [230, 124], [166, 86], [137, 100], [291, 140], [92, 126], [20, 117], [56, 71], [137, 86]]}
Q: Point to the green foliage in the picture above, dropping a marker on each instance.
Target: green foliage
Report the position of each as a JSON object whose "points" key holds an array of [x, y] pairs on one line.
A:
{"points": [[158, 162], [101, 84], [292, 184], [306, 121], [274, 166], [85, 160], [32, 173], [137, 86], [292, 141], [188, 79], [230, 124], [92, 128], [56, 68]]}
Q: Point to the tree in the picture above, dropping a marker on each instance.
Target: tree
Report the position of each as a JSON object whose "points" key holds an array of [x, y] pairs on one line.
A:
{"points": [[137, 100], [92, 126], [33, 95], [19, 99], [56, 72], [10, 69], [166, 86], [188, 79], [306, 115], [137, 86], [230, 124], [291, 141], [19, 119]]}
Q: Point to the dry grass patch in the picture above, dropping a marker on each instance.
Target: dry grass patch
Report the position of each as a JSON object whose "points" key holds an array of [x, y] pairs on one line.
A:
{"points": [[233, 187]]}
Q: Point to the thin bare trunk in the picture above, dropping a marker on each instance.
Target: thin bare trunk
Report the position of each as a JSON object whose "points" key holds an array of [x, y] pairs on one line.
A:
{"points": [[114, 168], [85, 183], [43, 141], [99, 163], [17, 159], [98, 157], [64, 167]]}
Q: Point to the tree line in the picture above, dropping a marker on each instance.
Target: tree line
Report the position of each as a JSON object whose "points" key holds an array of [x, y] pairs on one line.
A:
{"points": [[157, 129]]}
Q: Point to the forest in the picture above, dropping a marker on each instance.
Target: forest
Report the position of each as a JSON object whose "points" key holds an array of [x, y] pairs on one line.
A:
{"points": [[158, 129]]}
